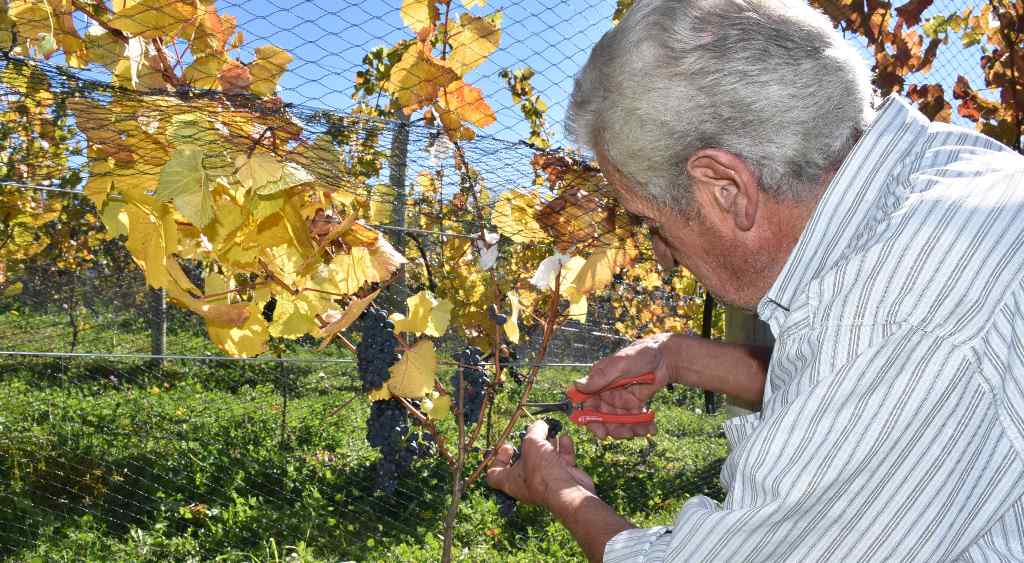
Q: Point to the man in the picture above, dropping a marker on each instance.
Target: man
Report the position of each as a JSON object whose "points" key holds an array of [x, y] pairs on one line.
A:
{"points": [[885, 252]]}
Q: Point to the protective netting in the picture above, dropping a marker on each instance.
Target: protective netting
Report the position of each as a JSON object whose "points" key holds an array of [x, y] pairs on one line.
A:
{"points": [[141, 424]]}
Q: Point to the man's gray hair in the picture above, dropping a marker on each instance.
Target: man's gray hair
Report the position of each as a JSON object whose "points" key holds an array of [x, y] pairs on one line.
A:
{"points": [[768, 80]]}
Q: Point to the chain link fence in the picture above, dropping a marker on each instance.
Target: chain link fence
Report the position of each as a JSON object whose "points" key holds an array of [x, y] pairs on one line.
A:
{"points": [[125, 434]]}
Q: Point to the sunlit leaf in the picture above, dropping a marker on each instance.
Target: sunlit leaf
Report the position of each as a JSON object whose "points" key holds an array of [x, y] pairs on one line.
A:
{"points": [[352, 312], [511, 325], [249, 339], [514, 217], [259, 169], [266, 70], [152, 19], [412, 376], [417, 78], [440, 408], [473, 39], [419, 14], [426, 315], [468, 103]]}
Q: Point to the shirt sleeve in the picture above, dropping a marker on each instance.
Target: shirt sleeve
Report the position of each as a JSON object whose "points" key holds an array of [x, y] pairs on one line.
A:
{"points": [[896, 455]]}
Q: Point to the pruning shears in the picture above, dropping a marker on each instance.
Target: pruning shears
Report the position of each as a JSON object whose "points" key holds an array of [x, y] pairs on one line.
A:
{"points": [[573, 407]]}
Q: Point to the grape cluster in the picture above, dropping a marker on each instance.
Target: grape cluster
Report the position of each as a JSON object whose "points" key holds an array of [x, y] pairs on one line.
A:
{"points": [[375, 353], [498, 318], [387, 430], [506, 503], [473, 379], [268, 309]]}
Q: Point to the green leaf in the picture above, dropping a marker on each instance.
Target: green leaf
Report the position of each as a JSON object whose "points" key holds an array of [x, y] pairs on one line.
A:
{"points": [[184, 181]]}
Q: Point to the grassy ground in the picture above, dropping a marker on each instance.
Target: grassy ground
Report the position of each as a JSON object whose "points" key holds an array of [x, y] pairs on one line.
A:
{"points": [[113, 460]]}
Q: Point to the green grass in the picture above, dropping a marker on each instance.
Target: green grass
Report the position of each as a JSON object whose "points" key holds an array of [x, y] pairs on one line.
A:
{"points": [[113, 460]]}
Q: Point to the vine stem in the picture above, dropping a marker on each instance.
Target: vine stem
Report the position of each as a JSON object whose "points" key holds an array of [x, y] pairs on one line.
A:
{"points": [[549, 327]]}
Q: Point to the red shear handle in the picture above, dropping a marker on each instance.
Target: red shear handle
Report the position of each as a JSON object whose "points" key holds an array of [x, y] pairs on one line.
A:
{"points": [[577, 396], [586, 416]]}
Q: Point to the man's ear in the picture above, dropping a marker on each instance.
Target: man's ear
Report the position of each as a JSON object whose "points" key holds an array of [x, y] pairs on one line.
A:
{"points": [[728, 184]]}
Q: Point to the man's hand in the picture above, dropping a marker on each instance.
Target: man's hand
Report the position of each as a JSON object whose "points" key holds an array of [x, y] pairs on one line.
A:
{"points": [[544, 472], [642, 356]]}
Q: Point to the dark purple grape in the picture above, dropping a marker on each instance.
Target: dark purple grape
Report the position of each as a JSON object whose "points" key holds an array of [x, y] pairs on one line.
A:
{"points": [[375, 353], [474, 380]]}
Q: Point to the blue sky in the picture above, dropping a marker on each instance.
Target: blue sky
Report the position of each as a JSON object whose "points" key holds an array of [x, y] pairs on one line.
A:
{"points": [[553, 37], [329, 40]]}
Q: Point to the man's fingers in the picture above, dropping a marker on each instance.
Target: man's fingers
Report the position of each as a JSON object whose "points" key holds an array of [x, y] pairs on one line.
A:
{"points": [[504, 455], [496, 477], [601, 375], [497, 472], [566, 450]]}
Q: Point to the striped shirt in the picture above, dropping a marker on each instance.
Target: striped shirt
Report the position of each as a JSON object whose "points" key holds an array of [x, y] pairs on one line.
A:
{"points": [[892, 427]]}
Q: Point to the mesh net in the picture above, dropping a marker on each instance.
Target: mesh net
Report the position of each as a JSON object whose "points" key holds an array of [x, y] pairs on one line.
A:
{"points": [[126, 434]]}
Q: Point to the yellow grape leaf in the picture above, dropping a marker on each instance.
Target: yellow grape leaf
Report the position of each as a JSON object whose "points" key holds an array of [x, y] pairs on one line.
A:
{"points": [[511, 326], [381, 204], [267, 69], [453, 125], [194, 128], [152, 19], [31, 17], [468, 102], [359, 234], [419, 14], [148, 242], [473, 39], [578, 310], [347, 273], [247, 340], [474, 3], [569, 271], [380, 394], [386, 260], [102, 47], [234, 78], [412, 377], [224, 314], [427, 315], [599, 269], [295, 315], [6, 31], [184, 181], [440, 408], [455, 249], [204, 71], [417, 78], [66, 36], [114, 218], [514, 216], [259, 169], [440, 318], [291, 175], [352, 312]]}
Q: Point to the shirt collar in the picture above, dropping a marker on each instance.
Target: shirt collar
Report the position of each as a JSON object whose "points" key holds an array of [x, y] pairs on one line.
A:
{"points": [[847, 205]]}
